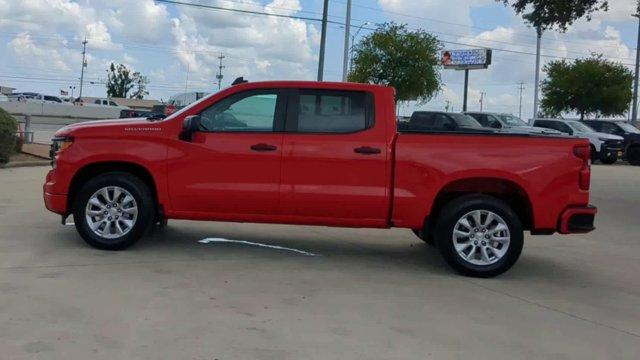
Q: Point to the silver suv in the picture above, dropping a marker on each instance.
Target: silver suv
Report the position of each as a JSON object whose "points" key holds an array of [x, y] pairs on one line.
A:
{"points": [[508, 123]]}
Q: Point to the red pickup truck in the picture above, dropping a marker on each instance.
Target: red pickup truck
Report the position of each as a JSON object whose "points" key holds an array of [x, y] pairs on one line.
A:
{"points": [[320, 154]]}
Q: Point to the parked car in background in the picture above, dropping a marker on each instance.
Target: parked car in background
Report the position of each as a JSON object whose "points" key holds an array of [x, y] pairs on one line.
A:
{"points": [[104, 102], [321, 153], [630, 133], [508, 123], [604, 147], [442, 121], [36, 97]]}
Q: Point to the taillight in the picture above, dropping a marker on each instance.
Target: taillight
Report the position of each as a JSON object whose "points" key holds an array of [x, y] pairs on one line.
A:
{"points": [[584, 152]]}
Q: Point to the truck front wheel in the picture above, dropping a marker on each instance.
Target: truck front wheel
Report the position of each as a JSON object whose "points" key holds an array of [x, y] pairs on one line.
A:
{"points": [[113, 210], [479, 235]]}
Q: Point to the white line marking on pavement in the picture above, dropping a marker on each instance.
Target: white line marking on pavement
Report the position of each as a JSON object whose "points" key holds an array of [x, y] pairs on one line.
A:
{"points": [[70, 224], [221, 240]]}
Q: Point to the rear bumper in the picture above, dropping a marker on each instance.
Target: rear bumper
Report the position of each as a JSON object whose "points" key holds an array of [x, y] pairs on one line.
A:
{"points": [[577, 220]]}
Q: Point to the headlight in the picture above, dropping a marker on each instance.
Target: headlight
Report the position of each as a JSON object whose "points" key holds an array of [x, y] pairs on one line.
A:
{"points": [[58, 145], [604, 139]]}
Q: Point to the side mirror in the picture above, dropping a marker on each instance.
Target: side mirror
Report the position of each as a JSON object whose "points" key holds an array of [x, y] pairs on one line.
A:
{"points": [[190, 126]]}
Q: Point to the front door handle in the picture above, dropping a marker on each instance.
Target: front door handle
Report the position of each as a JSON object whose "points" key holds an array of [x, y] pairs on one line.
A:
{"points": [[367, 150], [263, 147]]}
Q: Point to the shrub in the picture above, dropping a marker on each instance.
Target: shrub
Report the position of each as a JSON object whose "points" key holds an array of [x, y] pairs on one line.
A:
{"points": [[8, 128]]}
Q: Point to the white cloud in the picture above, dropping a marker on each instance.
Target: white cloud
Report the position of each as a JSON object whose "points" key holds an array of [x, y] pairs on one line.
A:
{"points": [[256, 47]]}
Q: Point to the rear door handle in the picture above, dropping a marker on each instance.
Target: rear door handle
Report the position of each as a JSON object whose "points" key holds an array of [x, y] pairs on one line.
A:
{"points": [[263, 147], [367, 150]]}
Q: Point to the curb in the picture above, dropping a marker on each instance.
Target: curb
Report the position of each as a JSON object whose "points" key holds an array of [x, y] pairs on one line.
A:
{"points": [[19, 164]]}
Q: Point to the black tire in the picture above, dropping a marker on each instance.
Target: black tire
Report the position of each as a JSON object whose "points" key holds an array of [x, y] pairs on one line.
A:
{"points": [[457, 209], [608, 159], [633, 155], [424, 236], [138, 190]]}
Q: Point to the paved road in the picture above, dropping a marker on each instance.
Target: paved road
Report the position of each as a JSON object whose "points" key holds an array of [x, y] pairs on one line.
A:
{"points": [[368, 295]]}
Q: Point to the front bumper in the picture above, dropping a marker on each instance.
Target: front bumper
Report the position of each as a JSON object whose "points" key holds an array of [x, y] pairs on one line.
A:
{"points": [[613, 147], [56, 203], [53, 200], [577, 220]]}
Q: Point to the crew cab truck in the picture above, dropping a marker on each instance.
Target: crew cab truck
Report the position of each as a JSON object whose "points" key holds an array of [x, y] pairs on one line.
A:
{"points": [[327, 154]]}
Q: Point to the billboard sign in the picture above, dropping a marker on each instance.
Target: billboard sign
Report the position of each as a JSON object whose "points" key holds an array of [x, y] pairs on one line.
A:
{"points": [[466, 59]]}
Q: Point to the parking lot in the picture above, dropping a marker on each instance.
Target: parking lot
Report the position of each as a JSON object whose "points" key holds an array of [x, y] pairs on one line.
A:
{"points": [[366, 294]]}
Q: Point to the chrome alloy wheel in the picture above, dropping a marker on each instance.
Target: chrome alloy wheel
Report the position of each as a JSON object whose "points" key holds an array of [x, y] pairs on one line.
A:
{"points": [[481, 237], [111, 212]]}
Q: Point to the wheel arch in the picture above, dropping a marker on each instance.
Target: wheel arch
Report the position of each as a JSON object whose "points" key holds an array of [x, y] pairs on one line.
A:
{"points": [[92, 170], [503, 189]]}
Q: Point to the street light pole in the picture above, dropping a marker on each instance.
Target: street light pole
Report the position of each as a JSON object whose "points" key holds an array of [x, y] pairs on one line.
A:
{"points": [[323, 39], [537, 84], [347, 33], [353, 43], [634, 111]]}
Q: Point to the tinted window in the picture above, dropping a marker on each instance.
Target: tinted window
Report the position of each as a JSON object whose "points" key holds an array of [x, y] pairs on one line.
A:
{"points": [[556, 125], [629, 128], [464, 120], [431, 122], [481, 118], [112, 103], [322, 111], [596, 125], [52, 98], [248, 111]]}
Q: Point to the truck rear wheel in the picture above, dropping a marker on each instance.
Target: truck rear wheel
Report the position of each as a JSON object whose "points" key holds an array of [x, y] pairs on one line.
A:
{"points": [[113, 210], [479, 235]]}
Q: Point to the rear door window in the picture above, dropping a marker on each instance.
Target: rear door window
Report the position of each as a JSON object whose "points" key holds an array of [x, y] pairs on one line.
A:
{"points": [[328, 111]]}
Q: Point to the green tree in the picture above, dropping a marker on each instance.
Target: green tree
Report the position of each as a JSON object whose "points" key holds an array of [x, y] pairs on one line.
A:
{"points": [[121, 81], [592, 86], [395, 56], [546, 14], [8, 128]]}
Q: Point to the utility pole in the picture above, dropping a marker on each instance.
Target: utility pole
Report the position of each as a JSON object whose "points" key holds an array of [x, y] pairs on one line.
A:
{"points": [[634, 111], [537, 84], [84, 65], [466, 90], [446, 108], [323, 40], [482, 94], [220, 67], [347, 32], [521, 90]]}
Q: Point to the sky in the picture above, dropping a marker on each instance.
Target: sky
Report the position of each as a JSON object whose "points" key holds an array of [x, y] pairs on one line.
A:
{"points": [[178, 46]]}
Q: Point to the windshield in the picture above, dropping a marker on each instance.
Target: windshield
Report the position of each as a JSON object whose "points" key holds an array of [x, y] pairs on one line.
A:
{"points": [[465, 120], [578, 126], [629, 128], [511, 120]]}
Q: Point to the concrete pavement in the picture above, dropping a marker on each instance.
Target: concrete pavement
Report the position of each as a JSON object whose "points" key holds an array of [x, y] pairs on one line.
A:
{"points": [[370, 294]]}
